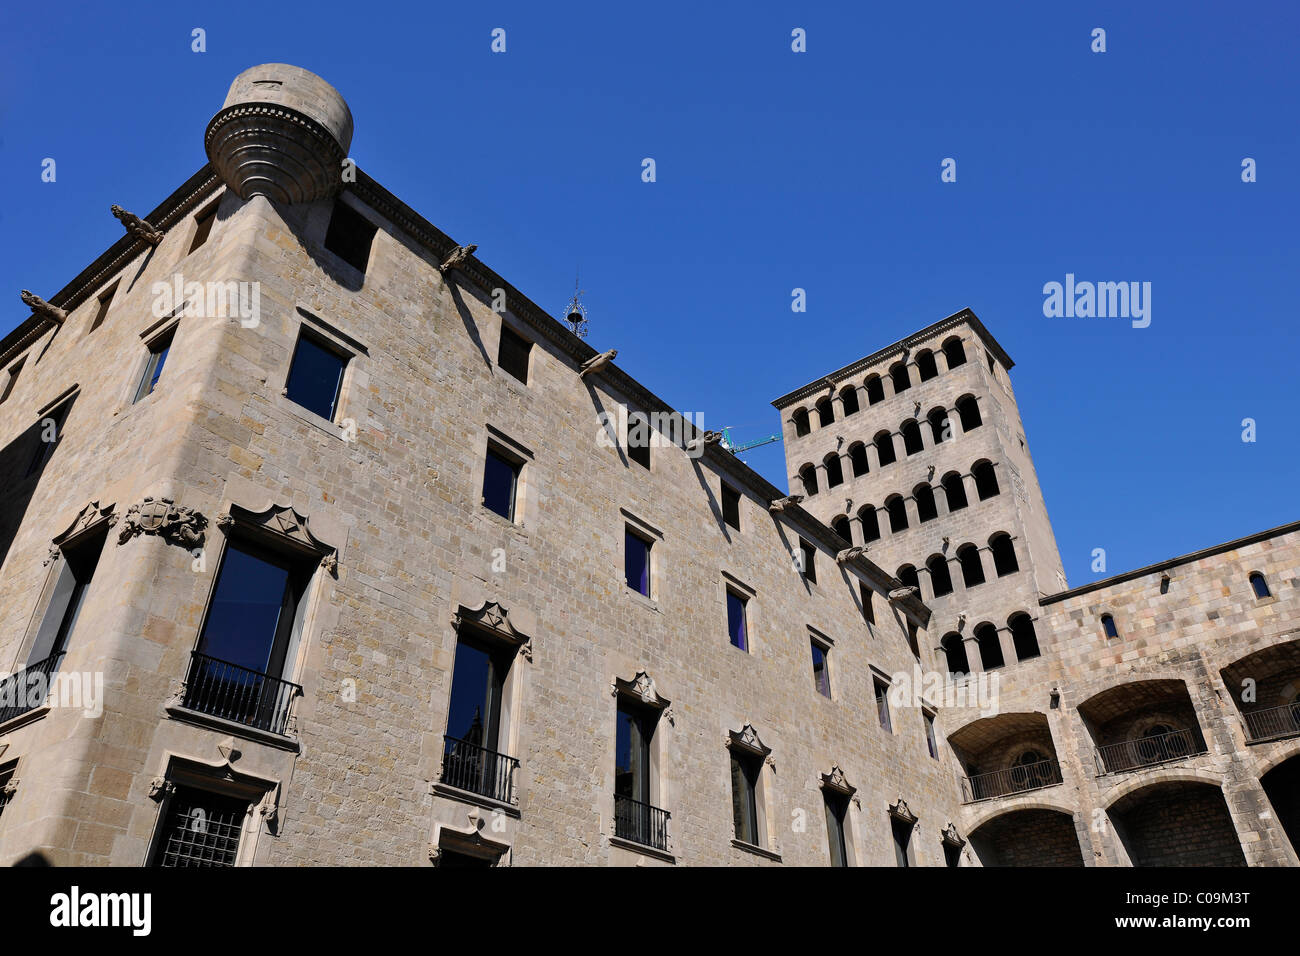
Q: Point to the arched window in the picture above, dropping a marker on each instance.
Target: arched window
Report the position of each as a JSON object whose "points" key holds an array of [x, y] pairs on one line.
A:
{"points": [[926, 509], [801, 426], [858, 459], [1108, 626], [870, 522], [840, 525], [968, 412], [972, 571], [925, 365], [897, 509], [907, 575], [808, 475], [911, 433], [826, 412], [954, 490], [898, 372], [954, 648], [1023, 636], [990, 646], [834, 471], [940, 578], [953, 352], [1259, 585], [884, 442], [986, 481], [849, 399], [938, 419], [875, 389], [1004, 554]]}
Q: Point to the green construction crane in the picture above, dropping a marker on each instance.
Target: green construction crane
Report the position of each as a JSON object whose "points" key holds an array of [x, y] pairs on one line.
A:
{"points": [[735, 449]]}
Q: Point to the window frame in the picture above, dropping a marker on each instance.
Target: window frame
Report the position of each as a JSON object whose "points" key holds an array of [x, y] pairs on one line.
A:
{"points": [[515, 340], [159, 345], [327, 344], [730, 501]]}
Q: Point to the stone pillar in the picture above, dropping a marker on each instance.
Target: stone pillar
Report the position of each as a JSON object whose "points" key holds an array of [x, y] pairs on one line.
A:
{"points": [[986, 562], [973, 657]]}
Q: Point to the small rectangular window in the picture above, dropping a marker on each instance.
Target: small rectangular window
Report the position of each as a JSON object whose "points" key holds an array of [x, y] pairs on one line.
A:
{"points": [[636, 562], [737, 628], [744, 801], [501, 483], [931, 741], [350, 236], [203, 225], [807, 560], [12, 379], [316, 376], [882, 704], [153, 368], [183, 843], [638, 439], [902, 841], [731, 506], [513, 353], [868, 604], [837, 808], [821, 668], [101, 307], [49, 432]]}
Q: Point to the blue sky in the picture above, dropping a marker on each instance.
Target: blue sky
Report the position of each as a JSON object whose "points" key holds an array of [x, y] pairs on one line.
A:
{"points": [[777, 170]]}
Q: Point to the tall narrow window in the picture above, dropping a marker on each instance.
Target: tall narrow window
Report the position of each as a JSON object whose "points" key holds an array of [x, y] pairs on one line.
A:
{"points": [[926, 508], [47, 432], [875, 390], [101, 307], [639, 439], [808, 476], [911, 432], [954, 353], [808, 561], [825, 413], [500, 483], [203, 225], [898, 372], [731, 506], [925, 365], [1004, 554], [745, 769], [931, 741], [870, 523], [867, 597], [636, 561], [884, 443], [153, 368], [737, 629], [513, 353], [954, 649], [849, 399], [1108, 625], [986, 479], [635, 818], [6, 781], [350, 235], [897, 509], [882, 703], [200, 829], [821, 668], [316, 376], [471, 750], [990, 645], [801, 424], [902, 830], [858, 459], [972, 568], [12, 379], [79, 558], [940, 577], [1023, 636], [968, 412], [834, 470], [837, 809], [1257, 583], [954, 491]]}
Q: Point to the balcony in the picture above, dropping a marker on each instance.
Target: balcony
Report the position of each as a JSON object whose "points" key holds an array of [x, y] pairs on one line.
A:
{"points": [[1273, 723], [229, 692], [1148, 751], [467, 766], [1020, 778], [640, 823], [25, 690]]}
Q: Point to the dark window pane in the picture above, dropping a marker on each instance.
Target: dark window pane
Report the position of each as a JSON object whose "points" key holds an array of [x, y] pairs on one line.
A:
{"points": [[203, 226], [736, 621], [835, 809], [244, 619], [512, 354], [632, 756], [744, 808], [637, 563], [315, 377], [499, 480], [821, 674], [153, 368], [474, 711], [349, 236], [882, 705], [902, 837], [731, 506]]}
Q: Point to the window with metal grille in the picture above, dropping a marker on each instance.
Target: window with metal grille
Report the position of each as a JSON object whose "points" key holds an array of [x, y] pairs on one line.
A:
{"points": [[512, 354], [200, 829]]}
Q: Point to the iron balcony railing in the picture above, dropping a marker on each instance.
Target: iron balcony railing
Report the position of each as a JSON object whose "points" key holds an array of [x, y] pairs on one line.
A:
{"points": [[1148, 751], [25, 690], [640, 823], [1274, 722], [467, 766], [221, 689], [1018, 779]]}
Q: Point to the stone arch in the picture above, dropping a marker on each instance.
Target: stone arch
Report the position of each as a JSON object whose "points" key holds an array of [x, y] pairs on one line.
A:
{"points": [[825, 412], [898, 375], [896, 508], [972, 568], [954, 352], [808, 475], [926, 367], [968, 412], [875, 386], [954, 491], [1178, 820], [1028, 836], [802, 426], [1004, 554], [1265, 686], [858, 460], [884, 442], [940, 576], [849, 400], [834, 470], [870, 522], [926, 509], [986, 480], [938, 420]]}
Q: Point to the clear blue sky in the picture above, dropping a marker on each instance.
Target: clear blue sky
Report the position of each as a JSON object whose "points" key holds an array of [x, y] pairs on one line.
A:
{"points": [[778, 170]]}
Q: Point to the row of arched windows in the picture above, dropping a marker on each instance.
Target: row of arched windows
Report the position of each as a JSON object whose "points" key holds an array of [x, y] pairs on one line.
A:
{"points": [[899, 375], [967, 558], [968, 413], [988, 639], [894, 509]]}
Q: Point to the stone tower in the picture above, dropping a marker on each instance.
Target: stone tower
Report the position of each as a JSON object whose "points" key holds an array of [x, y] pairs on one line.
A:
{"points": [[917, 452]]}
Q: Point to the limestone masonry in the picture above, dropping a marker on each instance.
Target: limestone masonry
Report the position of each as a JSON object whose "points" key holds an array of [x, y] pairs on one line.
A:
{"points": [[322, 544]]}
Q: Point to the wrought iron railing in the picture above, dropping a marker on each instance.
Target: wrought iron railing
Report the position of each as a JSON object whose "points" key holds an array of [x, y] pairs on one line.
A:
{"points": [[25, 690], [222, 689], [1018, 779], [1274, 722], [640, 823], [1148, 751], [467, 766]]}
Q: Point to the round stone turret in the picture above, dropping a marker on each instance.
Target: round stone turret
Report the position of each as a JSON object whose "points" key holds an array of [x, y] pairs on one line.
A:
{"points": [[283, 133]]}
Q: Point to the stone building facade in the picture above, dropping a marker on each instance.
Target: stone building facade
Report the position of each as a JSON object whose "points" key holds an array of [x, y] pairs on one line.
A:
{"points": [[322, 544]]}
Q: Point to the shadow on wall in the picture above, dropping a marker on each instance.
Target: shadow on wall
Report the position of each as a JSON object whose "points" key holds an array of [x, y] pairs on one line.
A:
{"points": [[22, 464]]}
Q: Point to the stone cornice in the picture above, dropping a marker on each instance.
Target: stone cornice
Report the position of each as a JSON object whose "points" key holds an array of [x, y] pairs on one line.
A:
{"points": [[964, 317]]}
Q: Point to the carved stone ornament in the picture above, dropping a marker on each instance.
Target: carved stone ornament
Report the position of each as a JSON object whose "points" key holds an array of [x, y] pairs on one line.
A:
{"points": [[643, 688], [89, 517], [163, 517], [848, 554], [835, 781], [902, 594], [457, 257], [701, 441], [951, 836], [282, 525], [900, 811], [490, 616], [747, 739], [597, 362], [160, 787], [780, 504], [138, 227], [42, 308], [10, 787]]}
